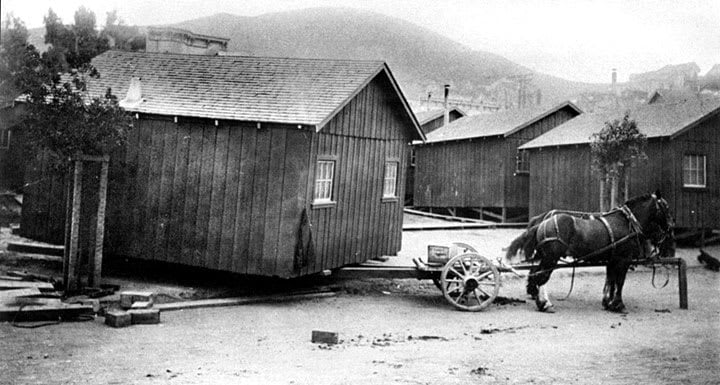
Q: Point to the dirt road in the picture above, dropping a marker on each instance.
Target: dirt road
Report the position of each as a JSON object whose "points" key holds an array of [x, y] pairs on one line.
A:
{"points": [[394, 332]]}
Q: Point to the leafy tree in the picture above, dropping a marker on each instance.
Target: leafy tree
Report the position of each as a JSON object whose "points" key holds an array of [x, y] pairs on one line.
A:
{"points": [[20, 65], [614, 150], [72, 46], [124, 37]]}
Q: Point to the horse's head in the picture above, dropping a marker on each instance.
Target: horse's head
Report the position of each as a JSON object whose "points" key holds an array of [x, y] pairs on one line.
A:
{"points": [[655, 218]]}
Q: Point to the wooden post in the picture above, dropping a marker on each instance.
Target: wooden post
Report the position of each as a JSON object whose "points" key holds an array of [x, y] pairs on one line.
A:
{"points": [[682, 283], [71, 249], [96, 263], [602, 194]]}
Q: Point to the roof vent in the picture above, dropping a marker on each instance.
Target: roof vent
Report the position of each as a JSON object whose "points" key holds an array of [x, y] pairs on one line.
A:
{"points": [[134, 94]]}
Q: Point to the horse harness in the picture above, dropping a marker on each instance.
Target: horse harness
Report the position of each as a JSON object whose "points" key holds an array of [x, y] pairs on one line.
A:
{"points": [[634, 225]]}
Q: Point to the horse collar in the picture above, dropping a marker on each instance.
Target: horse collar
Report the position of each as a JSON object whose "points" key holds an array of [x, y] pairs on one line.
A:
{"points": [[634, 223]]}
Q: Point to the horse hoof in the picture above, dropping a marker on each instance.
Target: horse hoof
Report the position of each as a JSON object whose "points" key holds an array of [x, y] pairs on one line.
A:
{"points": [[545, 307]]}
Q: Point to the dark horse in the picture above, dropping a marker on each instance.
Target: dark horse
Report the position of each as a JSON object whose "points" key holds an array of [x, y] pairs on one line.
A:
{"points": [[614, 238]]}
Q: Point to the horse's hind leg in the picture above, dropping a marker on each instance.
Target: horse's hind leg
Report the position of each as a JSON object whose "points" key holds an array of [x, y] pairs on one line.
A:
{"points": [[532, 288], [609, 288]]}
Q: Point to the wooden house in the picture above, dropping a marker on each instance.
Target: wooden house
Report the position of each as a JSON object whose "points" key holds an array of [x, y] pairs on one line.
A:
{"points": [[473, 164], [429, 122], [263, 166], [683, 161]]}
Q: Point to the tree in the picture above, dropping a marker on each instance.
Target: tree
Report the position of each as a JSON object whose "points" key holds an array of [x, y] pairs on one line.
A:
{"points": [[20, 65], [121, 36], [72, 46], [614, 150]]}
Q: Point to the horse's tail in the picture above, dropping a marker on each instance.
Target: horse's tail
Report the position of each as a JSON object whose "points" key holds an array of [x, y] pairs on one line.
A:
{"points": [[525, 241]]}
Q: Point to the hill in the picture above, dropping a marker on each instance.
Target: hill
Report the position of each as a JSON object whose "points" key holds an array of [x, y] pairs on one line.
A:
{"points": [[421, 59]]}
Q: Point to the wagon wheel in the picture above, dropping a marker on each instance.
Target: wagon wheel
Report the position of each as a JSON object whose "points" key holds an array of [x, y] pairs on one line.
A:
{"points": [[470, 282]]}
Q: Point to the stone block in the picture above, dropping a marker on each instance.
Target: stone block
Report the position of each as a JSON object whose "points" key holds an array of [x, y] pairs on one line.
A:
{"points": [[322, 337], [145, 316], [118, 318], [127, 298]]}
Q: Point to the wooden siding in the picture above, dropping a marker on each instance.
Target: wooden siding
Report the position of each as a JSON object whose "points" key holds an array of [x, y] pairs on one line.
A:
{"points": [[479, 172], [460, 174], [230, 197], [13, 157], [560, 177]]}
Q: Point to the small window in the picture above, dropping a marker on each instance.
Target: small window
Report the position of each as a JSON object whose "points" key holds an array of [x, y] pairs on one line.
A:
{"points": [[412, 157], [390, 184], [324, 174], [4, 138], [523, 162], [694, 171]]}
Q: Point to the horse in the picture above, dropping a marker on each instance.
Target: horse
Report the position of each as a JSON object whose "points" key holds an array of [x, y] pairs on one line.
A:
{"points": [[616, 238]]}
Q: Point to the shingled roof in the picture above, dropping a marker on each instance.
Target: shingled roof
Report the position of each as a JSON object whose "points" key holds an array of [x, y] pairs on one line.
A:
{"points": [[653, 120], [258, 89], [502, 123]]}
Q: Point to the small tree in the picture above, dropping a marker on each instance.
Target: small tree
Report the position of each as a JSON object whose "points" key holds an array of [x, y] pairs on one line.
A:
{"points": [[614, 150]]}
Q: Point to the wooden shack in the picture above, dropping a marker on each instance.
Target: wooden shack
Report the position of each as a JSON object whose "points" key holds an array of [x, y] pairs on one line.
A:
{"points": [[473, 164], [429, 121], [264, 166], [683, 161]]}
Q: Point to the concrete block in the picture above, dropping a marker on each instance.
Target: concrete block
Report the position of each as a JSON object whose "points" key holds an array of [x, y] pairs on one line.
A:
{"points": [[127, 298], [145, 316], [322, 337], [142, 305], [118, 318]]}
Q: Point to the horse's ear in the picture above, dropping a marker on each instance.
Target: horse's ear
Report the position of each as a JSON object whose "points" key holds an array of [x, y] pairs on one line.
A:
{"points": [[658, 194]]}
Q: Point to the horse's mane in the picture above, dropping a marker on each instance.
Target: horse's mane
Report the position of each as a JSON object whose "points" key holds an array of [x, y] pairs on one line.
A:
{"points": [[632, 201]]}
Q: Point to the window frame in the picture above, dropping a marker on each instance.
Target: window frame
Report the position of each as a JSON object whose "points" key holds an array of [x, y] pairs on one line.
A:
{"points": [[522, 158], [696, 171], [394, 196], [329, 201]]}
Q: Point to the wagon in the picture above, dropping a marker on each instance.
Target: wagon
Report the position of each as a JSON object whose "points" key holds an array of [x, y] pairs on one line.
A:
{"points": [[470, 281]]}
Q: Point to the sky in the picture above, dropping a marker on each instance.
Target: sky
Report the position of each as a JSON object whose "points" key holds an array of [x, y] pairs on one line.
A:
{"points": [[579, 40]]}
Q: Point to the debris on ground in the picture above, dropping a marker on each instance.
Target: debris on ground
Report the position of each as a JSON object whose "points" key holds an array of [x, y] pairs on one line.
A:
{"points": [[709, 261]]}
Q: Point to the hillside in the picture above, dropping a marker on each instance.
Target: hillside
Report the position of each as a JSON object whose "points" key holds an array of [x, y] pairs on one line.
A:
{"points": [[421, 59]]}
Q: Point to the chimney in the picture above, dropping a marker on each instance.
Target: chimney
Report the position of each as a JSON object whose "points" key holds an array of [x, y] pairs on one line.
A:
{"points": [[446, 118], [134, 94]]}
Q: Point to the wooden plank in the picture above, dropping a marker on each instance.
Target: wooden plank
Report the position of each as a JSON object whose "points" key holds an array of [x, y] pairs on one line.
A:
{"points": [[273, 202], [221, 302], [166, 193], [190, 245], [293, 199], [42, 286], [243, 213], [229, 220], [175, 230], [14, 293], [312, 213], [70, 279], [97, 256], [152, 221], [204, 195], [260, 185], [44, 313], [217, 198]]}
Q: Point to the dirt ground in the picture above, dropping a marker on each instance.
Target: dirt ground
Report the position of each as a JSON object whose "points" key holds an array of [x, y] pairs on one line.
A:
{"points": [[392, 332]]}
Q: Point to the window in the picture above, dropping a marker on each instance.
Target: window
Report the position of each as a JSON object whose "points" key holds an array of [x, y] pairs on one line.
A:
{"points": [[390, 184], [4, 138], [523, 162], [694, 170], [324, 174], [412, 157]]}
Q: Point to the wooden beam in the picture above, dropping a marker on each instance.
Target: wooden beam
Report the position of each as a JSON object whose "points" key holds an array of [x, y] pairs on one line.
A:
{"points": [[220, 302], [445, 217], [70, 279], [43, 286], [22, 313], [97, 256]]}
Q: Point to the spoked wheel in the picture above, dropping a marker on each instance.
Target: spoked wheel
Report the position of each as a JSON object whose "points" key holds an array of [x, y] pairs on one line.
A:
{"points": [[470, 282]]}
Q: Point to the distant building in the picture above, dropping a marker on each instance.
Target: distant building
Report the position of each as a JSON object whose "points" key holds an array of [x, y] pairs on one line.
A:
{"points": [[176, 40], [683, 161], [473, 166], [670, 77]]}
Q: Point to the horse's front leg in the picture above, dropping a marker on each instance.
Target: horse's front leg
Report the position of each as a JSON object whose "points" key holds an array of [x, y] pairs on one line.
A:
{"points": [[609, 288], [542, 301], [617, 304]]}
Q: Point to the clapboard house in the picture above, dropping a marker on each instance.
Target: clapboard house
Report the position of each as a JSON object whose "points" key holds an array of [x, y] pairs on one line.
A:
{"points": [[263, 166], [429, 121], [683, 161], [473, 164]]}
